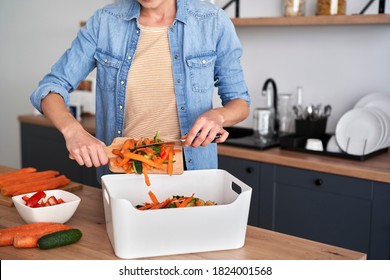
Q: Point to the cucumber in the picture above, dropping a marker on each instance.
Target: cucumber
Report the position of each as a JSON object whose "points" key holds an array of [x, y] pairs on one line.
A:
{"points": [[137, 165], [59, 238]]}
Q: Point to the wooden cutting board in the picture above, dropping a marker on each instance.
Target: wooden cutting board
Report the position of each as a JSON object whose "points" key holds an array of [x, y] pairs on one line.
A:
{"points": [[7, 200], [117, 143]]}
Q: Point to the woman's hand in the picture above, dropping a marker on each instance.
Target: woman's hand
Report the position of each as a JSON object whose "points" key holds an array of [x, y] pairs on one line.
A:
{"points": [[211, 123], [85, 148], [82, 146], [205, 129]]}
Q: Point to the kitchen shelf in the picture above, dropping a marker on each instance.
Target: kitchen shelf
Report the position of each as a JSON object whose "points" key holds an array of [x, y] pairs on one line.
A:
{"points": [[314, 20]]}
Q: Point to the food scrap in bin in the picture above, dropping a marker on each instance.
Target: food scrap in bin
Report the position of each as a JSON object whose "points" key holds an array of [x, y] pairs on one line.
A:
{"points": [[139, 160], [176, 201]]}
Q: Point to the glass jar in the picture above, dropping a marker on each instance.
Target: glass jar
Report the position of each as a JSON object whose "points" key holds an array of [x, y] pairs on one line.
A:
{"points": [[293, 8], [264, 122], [331, 7], [285, 115]]}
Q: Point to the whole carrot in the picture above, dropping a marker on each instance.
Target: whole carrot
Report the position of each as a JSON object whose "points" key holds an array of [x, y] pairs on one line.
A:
{"points": [[34, 186], [25, 241], [25, 178], [30, 239], [7, 235], [17, 172], [51, 184], [25, 227]]}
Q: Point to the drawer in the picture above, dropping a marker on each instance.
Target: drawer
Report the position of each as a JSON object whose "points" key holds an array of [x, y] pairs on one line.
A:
{"points": [[324, 182]]}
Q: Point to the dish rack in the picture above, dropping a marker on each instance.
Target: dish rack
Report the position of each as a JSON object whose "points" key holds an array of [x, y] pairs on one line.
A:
{"points": [[297, 143]]}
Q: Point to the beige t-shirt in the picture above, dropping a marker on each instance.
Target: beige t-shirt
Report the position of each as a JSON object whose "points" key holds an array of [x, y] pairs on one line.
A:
{"points": [[150, 94]]}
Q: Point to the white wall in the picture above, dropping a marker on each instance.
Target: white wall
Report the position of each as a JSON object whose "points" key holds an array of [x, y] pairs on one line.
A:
{"points": [[334, 64], [33, 36]]}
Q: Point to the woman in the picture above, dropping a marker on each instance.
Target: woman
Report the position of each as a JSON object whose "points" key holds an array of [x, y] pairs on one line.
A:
{"points": [[157, 63]]}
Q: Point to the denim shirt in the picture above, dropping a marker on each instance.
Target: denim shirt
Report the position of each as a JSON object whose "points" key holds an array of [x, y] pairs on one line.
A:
{"points": [[205, 52]]}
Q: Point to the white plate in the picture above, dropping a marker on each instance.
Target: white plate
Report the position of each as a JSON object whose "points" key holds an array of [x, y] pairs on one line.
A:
{"points": [[377, 100], [385, 122], [359, 131]]}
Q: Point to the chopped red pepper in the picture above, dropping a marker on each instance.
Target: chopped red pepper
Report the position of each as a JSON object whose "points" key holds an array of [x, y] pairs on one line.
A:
{"points": [[34, 199], [163, 153], [25, 198], [52, 200]]}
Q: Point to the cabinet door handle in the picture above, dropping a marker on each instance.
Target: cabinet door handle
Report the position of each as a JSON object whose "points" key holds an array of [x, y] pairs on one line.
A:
{"points": [[318, 182], [249, 170]]}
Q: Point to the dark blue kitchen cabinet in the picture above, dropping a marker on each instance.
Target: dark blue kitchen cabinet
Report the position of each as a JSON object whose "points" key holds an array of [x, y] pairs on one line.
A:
{"points": [[322, 207], [248, 172], [380, 233], [338, 210], [44, 148]]}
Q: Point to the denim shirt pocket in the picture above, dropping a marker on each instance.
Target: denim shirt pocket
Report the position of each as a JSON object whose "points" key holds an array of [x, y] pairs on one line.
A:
{"points": [[107, 70], [201, 70]]}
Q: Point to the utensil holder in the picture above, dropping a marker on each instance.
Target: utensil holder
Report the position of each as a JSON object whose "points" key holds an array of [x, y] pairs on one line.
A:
{"points": [[311, 128]]}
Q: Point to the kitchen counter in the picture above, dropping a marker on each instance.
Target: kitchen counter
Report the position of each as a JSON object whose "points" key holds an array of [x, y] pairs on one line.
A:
{"points": [[375, 169], [89, 218]]}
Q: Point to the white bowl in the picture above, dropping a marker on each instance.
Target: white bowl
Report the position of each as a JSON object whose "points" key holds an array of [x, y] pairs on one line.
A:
{"points": [[314, 144], [59, 213], [332, 145]]}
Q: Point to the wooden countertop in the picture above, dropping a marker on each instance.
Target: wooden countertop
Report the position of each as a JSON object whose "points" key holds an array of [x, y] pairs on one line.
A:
{"points": [[95, 245], [375, 169], [88, 121]]}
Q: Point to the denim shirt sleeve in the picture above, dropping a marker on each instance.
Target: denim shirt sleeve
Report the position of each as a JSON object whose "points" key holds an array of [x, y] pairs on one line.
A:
{"points": [[228, 71], [72, 67]]}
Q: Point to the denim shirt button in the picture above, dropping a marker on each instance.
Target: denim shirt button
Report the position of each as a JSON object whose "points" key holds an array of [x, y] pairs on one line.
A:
{"points": [[190, 160], [129, 57], [182, 108], [119, 132], [172, 30], [204, 61], [105, 60], [178, 81], [176, 57], [122, 82], [120, 107]]}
